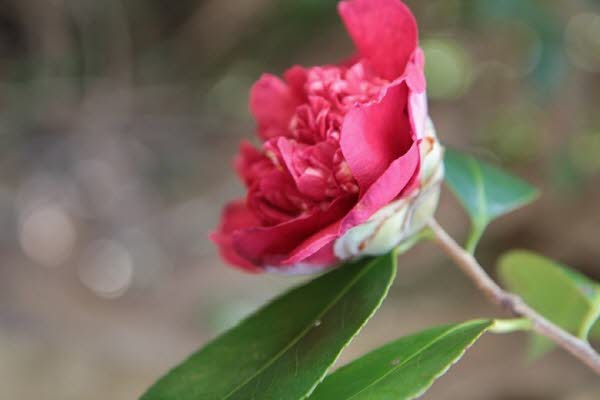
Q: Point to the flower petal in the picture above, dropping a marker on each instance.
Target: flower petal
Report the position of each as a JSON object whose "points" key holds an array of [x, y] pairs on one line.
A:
{"points": [[418, 113], [417, 97], [270, 246], [235, 216], [376, 134], [273, 102], [318, 248], [249, 162], [384, 32], [400, 179]]}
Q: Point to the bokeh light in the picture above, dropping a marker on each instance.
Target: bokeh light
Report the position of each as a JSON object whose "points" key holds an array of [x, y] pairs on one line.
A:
{"points": [[448, 68], [47, 235], [584, 150], [106, 268], [582, 38]]}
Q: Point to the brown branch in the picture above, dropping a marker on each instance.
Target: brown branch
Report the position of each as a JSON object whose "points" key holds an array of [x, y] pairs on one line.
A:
{"points": [[511, 302]]}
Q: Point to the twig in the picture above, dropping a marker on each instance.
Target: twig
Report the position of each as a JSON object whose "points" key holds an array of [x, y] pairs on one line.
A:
{"points": [[511, 302]]}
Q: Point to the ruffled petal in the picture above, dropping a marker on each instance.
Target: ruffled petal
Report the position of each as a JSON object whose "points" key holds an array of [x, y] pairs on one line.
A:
{"points": [[249, 162], [400, 179], [384, 32], [235, 216], [417, 98], [273, 102], [318, 248], [376, 134], [271, 246]]}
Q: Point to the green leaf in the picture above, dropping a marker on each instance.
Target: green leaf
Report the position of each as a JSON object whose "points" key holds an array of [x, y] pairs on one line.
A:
{"points": [[286, 348], [595, 331], [485, 191], [563, 296], [403, 369]]}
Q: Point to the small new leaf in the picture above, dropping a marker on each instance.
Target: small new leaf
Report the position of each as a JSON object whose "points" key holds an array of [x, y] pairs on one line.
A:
{"points": [[403, 369], [283, 350], [486, 192]]}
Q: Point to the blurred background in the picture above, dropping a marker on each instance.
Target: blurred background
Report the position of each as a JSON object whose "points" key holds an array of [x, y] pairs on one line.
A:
{"points": [[118, 123]]}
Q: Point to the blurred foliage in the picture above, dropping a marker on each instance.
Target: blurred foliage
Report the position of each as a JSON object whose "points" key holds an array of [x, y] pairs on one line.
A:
{"points": [[538, 16]]}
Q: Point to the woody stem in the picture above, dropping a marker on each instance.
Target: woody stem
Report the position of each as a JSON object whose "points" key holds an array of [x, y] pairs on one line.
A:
{"points": [[511, 302]]}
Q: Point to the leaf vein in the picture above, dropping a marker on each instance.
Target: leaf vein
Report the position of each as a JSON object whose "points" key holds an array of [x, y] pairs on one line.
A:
{"points": [[309, 326]]}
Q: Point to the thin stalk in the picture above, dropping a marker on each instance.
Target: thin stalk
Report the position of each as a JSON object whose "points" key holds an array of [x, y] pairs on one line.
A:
{"points": [[511, 302]]}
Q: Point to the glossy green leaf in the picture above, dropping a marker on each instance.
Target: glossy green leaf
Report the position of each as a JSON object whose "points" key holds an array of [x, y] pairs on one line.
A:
{"points": [[283, 350], [485, 191], [560, 294], [403, 369]]}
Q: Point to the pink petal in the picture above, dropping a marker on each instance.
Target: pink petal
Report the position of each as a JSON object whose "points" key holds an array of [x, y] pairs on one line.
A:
{"points": [[324, 257], [296, 78], [294, 156], [384, 32], [235, 216], [398, 180], [287, 148], [415, 71], [273, 102], [247, 162], [418, 113], [318, 247], [271, 245], [417, 98], [376, 134]]}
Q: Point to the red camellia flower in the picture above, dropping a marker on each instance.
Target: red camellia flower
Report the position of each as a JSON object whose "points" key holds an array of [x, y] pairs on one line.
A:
{"points": [[349, 163]]}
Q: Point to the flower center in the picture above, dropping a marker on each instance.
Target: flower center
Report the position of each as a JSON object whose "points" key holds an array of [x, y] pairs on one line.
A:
{"points": [[308, 163], [330, 93]]}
